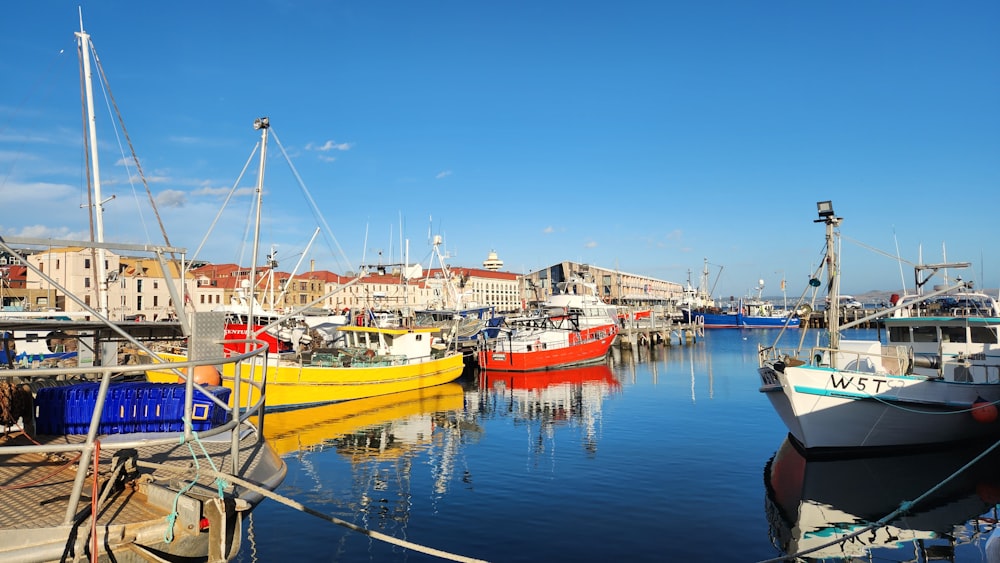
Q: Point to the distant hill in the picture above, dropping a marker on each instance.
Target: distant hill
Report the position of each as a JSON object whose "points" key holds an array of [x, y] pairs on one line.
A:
{"points": [[877, 297]]}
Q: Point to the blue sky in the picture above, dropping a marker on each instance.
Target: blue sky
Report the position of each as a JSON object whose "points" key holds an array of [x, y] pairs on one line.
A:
{"points": [[643, 136]]}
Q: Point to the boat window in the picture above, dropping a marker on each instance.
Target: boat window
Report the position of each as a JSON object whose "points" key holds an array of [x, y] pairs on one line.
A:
{"points": [[983, 335], [953, 334], [899, 334], [924, 334]]}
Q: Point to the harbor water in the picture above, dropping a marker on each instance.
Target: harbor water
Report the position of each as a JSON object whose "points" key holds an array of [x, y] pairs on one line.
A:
{"points": [[671, 455]]}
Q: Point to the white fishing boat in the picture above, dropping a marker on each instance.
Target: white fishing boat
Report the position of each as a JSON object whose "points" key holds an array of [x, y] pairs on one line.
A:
{"points": [[930, 378]]}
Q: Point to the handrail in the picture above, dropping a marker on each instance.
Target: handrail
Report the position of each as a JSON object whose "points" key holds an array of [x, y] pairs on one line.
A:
{"points": [[86, 448]]}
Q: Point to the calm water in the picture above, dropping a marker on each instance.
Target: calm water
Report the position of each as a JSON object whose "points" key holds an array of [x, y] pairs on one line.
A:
{"points": [[661, 458]]}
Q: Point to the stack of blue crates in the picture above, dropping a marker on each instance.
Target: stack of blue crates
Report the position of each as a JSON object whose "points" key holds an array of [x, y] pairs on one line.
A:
{"points": [[130, 407]]}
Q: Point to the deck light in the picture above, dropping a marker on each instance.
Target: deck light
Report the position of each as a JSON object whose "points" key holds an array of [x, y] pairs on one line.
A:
{"points": [[825, 209]]}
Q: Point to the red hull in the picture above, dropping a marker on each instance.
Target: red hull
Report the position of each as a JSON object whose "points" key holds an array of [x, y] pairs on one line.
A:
{"points": [[586, 347]]}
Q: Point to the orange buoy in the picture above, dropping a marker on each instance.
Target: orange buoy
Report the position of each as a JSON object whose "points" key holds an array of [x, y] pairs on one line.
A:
{"points": [[205, 375], [984, 411]]}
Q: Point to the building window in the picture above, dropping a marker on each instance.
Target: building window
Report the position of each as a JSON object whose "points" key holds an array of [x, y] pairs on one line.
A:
{"points": [[138, 303], [138, 285], [86, 263], [156, 300], [86, 282]]}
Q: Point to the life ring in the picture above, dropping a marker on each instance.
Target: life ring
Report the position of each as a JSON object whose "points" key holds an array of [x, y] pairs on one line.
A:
{"points": [[607, 300], [538, 344]]}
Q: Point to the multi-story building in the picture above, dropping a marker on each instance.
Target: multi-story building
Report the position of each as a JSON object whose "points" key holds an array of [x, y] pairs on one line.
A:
{"points": [[613, 286], [135, 286]]}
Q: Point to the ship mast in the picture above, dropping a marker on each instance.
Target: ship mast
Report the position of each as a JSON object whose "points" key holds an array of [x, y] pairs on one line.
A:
{"points": [[827, 216], [264, 124], [101, 267]]}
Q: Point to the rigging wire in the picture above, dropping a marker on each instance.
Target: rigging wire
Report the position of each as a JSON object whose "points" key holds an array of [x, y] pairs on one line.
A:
{"points": [[327, 231], [112, 107], [225, 202]]}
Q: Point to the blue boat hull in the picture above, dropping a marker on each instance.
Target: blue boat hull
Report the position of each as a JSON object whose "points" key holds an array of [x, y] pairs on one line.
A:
{"points": [[737, 320]]}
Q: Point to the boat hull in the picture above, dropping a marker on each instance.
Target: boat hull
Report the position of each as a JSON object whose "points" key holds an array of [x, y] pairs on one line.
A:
{"points": [[830, 409], [291, 385], [580, 353], [738, 320]]}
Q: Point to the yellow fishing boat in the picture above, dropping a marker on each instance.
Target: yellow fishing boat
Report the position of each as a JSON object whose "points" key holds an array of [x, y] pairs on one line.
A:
{"points": [[366, 362], [303, 429]]}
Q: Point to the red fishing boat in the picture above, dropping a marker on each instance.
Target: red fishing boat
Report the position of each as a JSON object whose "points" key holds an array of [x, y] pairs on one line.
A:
{"points": [[574, 328]]}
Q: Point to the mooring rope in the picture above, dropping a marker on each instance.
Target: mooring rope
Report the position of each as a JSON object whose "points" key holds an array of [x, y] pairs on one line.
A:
{"points": [[904, 507], [333, 519]]}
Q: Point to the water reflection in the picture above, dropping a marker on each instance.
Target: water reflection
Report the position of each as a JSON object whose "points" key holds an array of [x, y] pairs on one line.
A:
{"points": [[815, 505], [388, 441], [546, 400], [383, 426]]}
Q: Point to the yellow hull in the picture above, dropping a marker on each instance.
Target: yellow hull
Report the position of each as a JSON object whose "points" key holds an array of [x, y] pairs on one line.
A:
{"points": [[300, 429], [291, 385]]}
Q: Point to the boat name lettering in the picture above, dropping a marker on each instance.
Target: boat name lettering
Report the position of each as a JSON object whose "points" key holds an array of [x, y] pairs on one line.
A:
{"points": [[860, 383]]}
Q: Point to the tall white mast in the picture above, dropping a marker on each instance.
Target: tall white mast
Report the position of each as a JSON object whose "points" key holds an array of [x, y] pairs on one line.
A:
{"points": [[101, 268], [263, 124]]}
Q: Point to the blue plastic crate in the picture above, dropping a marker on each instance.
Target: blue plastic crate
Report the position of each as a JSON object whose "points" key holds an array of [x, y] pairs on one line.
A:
{"points": [[129, 407]]}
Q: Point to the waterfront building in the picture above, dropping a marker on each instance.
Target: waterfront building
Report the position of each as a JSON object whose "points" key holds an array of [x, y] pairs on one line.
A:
{"points": [[613, 286], [137, 287]]}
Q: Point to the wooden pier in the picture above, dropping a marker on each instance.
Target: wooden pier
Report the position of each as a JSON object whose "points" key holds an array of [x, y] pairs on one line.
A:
{"points": [[666, 331], [651, 332]]}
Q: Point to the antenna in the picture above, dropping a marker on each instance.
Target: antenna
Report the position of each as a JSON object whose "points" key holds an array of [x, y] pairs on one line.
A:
{"points": [[899, 259]]}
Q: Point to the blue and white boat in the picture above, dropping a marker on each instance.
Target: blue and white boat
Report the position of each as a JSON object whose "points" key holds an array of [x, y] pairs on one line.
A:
{"points": [[748, 313]]}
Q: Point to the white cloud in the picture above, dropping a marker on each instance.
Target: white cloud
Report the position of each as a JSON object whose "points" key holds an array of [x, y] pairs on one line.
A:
{"points": [[443, 174], [329, 146], [590, 244], [549, 230], [210, 191], [44, 231], [33, 192], [171, 198]]}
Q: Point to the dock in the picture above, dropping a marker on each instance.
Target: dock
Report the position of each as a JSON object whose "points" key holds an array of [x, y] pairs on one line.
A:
{"points": [[658, 331]]}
